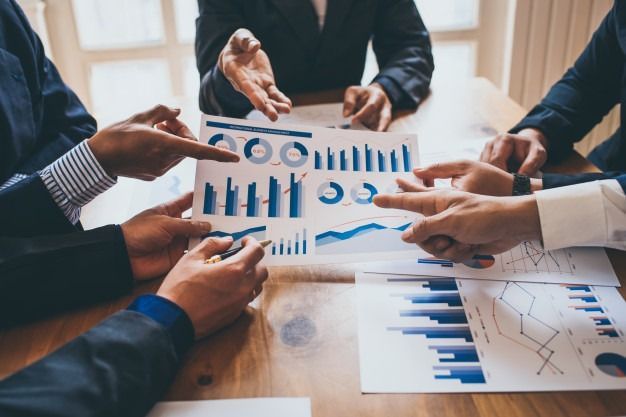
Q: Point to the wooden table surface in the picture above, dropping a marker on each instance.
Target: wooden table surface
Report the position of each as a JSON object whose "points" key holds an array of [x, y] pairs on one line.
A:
{"points": [[300, 337]]}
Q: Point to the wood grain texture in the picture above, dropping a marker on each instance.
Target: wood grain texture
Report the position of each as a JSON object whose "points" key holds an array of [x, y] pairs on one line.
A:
{"points": [[299, 338]]}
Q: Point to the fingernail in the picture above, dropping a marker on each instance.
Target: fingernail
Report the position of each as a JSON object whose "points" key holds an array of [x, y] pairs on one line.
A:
{"points": [[205, 225], [441, 245]]}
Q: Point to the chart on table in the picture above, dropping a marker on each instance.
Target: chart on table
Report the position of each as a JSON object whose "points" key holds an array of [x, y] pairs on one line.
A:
{"points": [[421, 334]]}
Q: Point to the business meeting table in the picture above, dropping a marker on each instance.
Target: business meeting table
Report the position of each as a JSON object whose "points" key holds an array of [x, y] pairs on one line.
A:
{"points": [[299, 338]]}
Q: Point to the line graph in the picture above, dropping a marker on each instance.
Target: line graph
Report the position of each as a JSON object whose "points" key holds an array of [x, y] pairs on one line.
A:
{"points": [[532, 257], [513, 309]]}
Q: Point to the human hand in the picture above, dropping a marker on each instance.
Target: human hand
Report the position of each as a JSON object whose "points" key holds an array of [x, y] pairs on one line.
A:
{"points": [[456, 225], [526, 150], [157, 238], [471, 176], [369, 105], [135, 148], [248, 68], [214, 295]]}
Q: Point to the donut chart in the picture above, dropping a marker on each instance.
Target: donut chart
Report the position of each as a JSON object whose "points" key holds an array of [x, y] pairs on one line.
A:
{"points": [[294, 154], [330, 193], [363, 193], [612, 364], [480, 262], [224, 142], [258, 151]]}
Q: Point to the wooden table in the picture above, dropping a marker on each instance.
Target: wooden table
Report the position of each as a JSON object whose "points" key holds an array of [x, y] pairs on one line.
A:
{"points": [[300, 337]]}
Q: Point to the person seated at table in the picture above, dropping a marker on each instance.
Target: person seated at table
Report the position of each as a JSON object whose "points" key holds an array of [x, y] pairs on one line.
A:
{"points": [[575, 104], [253, 54], [480, 215], [123, 366]]}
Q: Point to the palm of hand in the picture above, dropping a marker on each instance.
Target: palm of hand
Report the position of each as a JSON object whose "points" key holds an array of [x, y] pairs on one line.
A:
{"points": [[249, 71]]}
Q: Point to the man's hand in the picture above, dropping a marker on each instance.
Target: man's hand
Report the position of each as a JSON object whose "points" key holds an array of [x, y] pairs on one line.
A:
{"points": [[149, 144], [525, 152], [248, 68], [157, 238], [457, 225], [471, 176], [213, 296], [369, 105]]}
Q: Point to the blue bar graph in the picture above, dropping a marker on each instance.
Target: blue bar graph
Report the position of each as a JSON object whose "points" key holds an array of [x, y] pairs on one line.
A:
{"points": [[274, 201], [584, 288], [381, 162], [343, 161], [594, 309], [465, 353], [295, 197], [356, 159], [465, 374], [451, 299], [584, 298], [434, 284], [601, 321], [252, 206], [394, 161], [291, 246], [232, 198], [364, 158], [318, 160], [442, 316], [610, 332], [210, 200], [406, 155], [435, 261], [460, 332], [330, 163]]}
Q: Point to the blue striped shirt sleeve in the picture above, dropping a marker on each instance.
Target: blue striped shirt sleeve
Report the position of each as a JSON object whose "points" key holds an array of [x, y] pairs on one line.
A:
{"points": [[75, 179]]}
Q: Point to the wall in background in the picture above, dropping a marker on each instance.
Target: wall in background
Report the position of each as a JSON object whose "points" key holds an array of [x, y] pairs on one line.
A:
{"points": [[547, 37]]}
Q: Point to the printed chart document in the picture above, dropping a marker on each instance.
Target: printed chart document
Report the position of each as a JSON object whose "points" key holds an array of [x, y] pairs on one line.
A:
{"points": [[528, 262], [419, 334], [321, 115], [249, 407], [308, 189]]}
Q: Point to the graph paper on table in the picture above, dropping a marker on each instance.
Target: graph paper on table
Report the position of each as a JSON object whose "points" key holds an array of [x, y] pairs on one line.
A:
{"points": [[309, 190], [420, 334]]}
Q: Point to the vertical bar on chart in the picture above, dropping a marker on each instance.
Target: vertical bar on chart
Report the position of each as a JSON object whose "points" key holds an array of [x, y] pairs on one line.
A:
{"points": [[368, 159], [297, 252], [282, 246], [274, 198], [406, 155], [208, 199], [257, 205], [381, 162], [295, 195], [318, 160], [343, 161], [237, 201], [274, 248], [289, 247], [215, 203], [331, 160], [304, 241], [251, 203], [356, 159], [394, 161], [231, 198]]}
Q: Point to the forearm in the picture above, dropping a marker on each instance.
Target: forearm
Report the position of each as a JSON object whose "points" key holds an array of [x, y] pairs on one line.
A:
{"points": [[120, 367], [522, 218]]}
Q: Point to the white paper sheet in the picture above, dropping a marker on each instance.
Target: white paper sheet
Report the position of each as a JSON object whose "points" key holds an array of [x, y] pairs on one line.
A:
{"points": [[287, 189], [248, 407], [445, 335], [528, 262], [321, 115]]}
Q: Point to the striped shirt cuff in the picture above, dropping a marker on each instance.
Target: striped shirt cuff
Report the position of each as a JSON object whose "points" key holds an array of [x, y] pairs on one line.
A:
{"points": [[13, 180], [75, 179]]}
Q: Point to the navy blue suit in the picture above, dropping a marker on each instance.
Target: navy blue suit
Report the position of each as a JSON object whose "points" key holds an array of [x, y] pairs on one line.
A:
{"points": [[305, 59], [586, 93]]}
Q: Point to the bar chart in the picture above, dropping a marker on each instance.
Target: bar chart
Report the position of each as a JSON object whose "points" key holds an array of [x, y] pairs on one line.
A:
{"points": [[295, 245], [586, 303], [276, 200], [365, 158]]}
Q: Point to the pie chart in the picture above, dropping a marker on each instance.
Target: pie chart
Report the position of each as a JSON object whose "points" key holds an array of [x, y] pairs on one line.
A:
{"points": [[258, 151], [363, 193], [612, 364], [480, 262], [330, 193], [223, 141], [294, 154]]}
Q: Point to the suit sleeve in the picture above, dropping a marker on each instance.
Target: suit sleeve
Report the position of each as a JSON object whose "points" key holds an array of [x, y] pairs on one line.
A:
{"points": [[119, 368], [403, 50], [585, 94], [44, 275], [218, 20], [560, 180], [65, 122]]}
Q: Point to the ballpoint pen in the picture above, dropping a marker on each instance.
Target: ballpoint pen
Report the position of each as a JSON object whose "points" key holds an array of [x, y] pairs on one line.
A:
{"points": [[217, 258]]}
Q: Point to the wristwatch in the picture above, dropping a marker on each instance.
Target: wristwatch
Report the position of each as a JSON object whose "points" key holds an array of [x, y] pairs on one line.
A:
{"points": [[521, 185]]}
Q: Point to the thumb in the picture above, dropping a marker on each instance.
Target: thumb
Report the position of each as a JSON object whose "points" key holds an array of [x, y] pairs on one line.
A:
{"points": [[157, 114], [186, 227], [426, 227], [349, 101], [244, 41], [534, 160], [212, 246]]}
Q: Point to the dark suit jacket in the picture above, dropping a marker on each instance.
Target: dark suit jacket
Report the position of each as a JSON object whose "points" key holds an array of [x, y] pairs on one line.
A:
{"points": [[559, 180], [585, 94], [305, 60]]}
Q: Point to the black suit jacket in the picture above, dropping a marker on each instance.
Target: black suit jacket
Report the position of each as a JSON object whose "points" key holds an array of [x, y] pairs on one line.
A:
{"points": [[305, 59], [585, 94]]}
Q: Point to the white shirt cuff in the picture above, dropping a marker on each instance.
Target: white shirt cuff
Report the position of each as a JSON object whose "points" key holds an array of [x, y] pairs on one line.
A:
{"points": [[75, 179]]}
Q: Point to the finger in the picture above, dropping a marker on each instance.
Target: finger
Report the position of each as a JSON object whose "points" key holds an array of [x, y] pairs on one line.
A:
{"points": [[502, 151], [259, 274], [442, 170], [420, 202], [157, 114], [349, 100], [485, 155], [259, 98], [409, 186], [436, 244], [186, 227], [244, 41], [281, 108], [174, 145], [250, 255], [178, 128], [370, 111], [534, 160], [212, 246], [275, 94], [384, 120], [175, 207], [426, 227], [457, 252]]}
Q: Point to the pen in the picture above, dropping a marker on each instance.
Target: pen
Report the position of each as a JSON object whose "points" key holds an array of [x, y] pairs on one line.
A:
{"points": [[216, 258]]}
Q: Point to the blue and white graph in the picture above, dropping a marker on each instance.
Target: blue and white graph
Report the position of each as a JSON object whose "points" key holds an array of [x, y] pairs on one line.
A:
{"points": [[365, 158], [298, 244]]}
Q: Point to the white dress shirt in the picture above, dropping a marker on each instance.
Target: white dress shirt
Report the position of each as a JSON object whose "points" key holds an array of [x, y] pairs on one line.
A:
{"points": [[588, 214], [320, 8]]}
